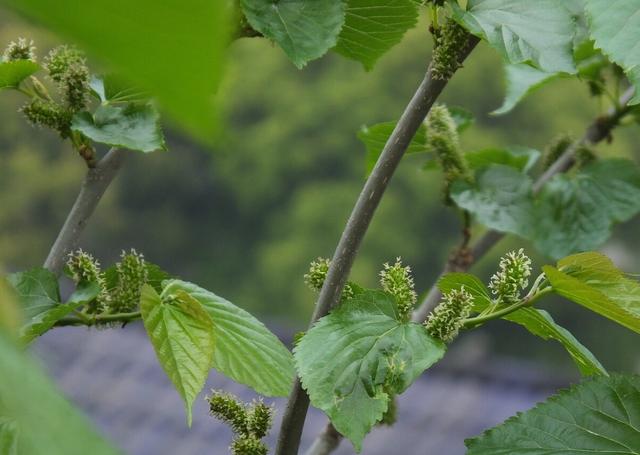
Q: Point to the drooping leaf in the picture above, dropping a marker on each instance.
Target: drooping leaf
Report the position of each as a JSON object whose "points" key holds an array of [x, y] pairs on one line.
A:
{"points": [[37, 290], [371, 28], [591, 280], [600, 415], [182, 335], [500, 198], [522, 79], [42, 322], [133, 126], [615, 26], [541, 324], [45, 422], [540, 32], [173, 48], [246, 350], [472, 285], [520, 158], [576, 212], [351, 360], [14, 72], [304, 29]]}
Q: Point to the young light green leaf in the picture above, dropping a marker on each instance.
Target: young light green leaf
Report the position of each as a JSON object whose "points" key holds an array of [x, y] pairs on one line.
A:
{"points": [[540, 32], [371, 28], [37, 290], [500, 198], [541, 324], [471, 283], [353, 359], [613, 296], [15, 71], [520, 158], [304, 29], [615, 27], [133, 126], [246, 350], [603, 193], [174, 48], [45, 422], [600, 415], [44, 321], [522, 79], [111, 89], [182, 335], [8, 436]]}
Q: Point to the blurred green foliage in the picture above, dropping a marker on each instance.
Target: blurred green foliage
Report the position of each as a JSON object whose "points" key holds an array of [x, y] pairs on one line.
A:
{"points": [[245, 219]]}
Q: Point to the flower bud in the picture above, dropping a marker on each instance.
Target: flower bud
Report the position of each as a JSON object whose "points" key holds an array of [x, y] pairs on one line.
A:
{"points": [[512, 278], [317, 273], [447, 318]]}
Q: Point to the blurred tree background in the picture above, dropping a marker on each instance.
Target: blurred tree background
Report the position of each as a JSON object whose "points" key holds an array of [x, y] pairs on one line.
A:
{"points": [[246, 218]]}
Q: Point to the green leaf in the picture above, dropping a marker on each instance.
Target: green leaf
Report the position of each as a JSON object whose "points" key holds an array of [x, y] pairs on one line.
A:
{"points": [[520, 158], [174, 48], [37, 290], [522, 79], [111, 89], [576, 212], [182, 335], [541, 324], [304, 29], [500, 199], [523, 31], [600, 415], [14, 72], [246, 350], [472, 285], [44, 321], [44, 421], [371, 28], [9, 432], [615, 27], [133, 126], [613, 296], [353, 359]]}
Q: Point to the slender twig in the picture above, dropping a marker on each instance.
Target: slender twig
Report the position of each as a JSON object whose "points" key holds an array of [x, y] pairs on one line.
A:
{"points": [[95, 184], [346, 251], [599, 129], [326, 442], [98, 319], [527, 301]]}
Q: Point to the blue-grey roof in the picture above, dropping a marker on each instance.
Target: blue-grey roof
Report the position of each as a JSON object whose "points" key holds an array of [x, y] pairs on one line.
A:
{"points": [[114, 377]]}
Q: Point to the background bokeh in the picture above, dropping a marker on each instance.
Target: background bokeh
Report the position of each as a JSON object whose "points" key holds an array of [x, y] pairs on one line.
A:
{"points": [[245, 218]]}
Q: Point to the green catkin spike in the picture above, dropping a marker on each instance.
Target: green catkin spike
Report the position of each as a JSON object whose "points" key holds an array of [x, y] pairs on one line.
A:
{"points": [[60, 59], [48, 114], [555, 149], [396, 280], [84, 268], [20, 50], [133, 273], [447, 318], [318, 270], [259, 419], [444, 142], [512, 278], [448, 40], [67, 67], [247, 445], [227, 408]]}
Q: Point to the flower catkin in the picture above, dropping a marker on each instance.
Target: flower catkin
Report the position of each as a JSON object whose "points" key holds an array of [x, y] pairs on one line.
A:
{"points": [[396, 279], [133, 273], [448, 43], [84, 268], [447, 318], [512, 277], [317, 273], [19, 50]]}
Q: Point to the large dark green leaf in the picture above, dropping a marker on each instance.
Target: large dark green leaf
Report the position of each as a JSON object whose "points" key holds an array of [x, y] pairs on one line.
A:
{"points": [[600, 415], [592, 280], [44, 421], [173, 48], [352, 360], [181, 333], [14, 72], [246, 350], [372, 27], [538, 32], [133, 126], [615, 26], [304, 29], [37, 290], [500, 198]]}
